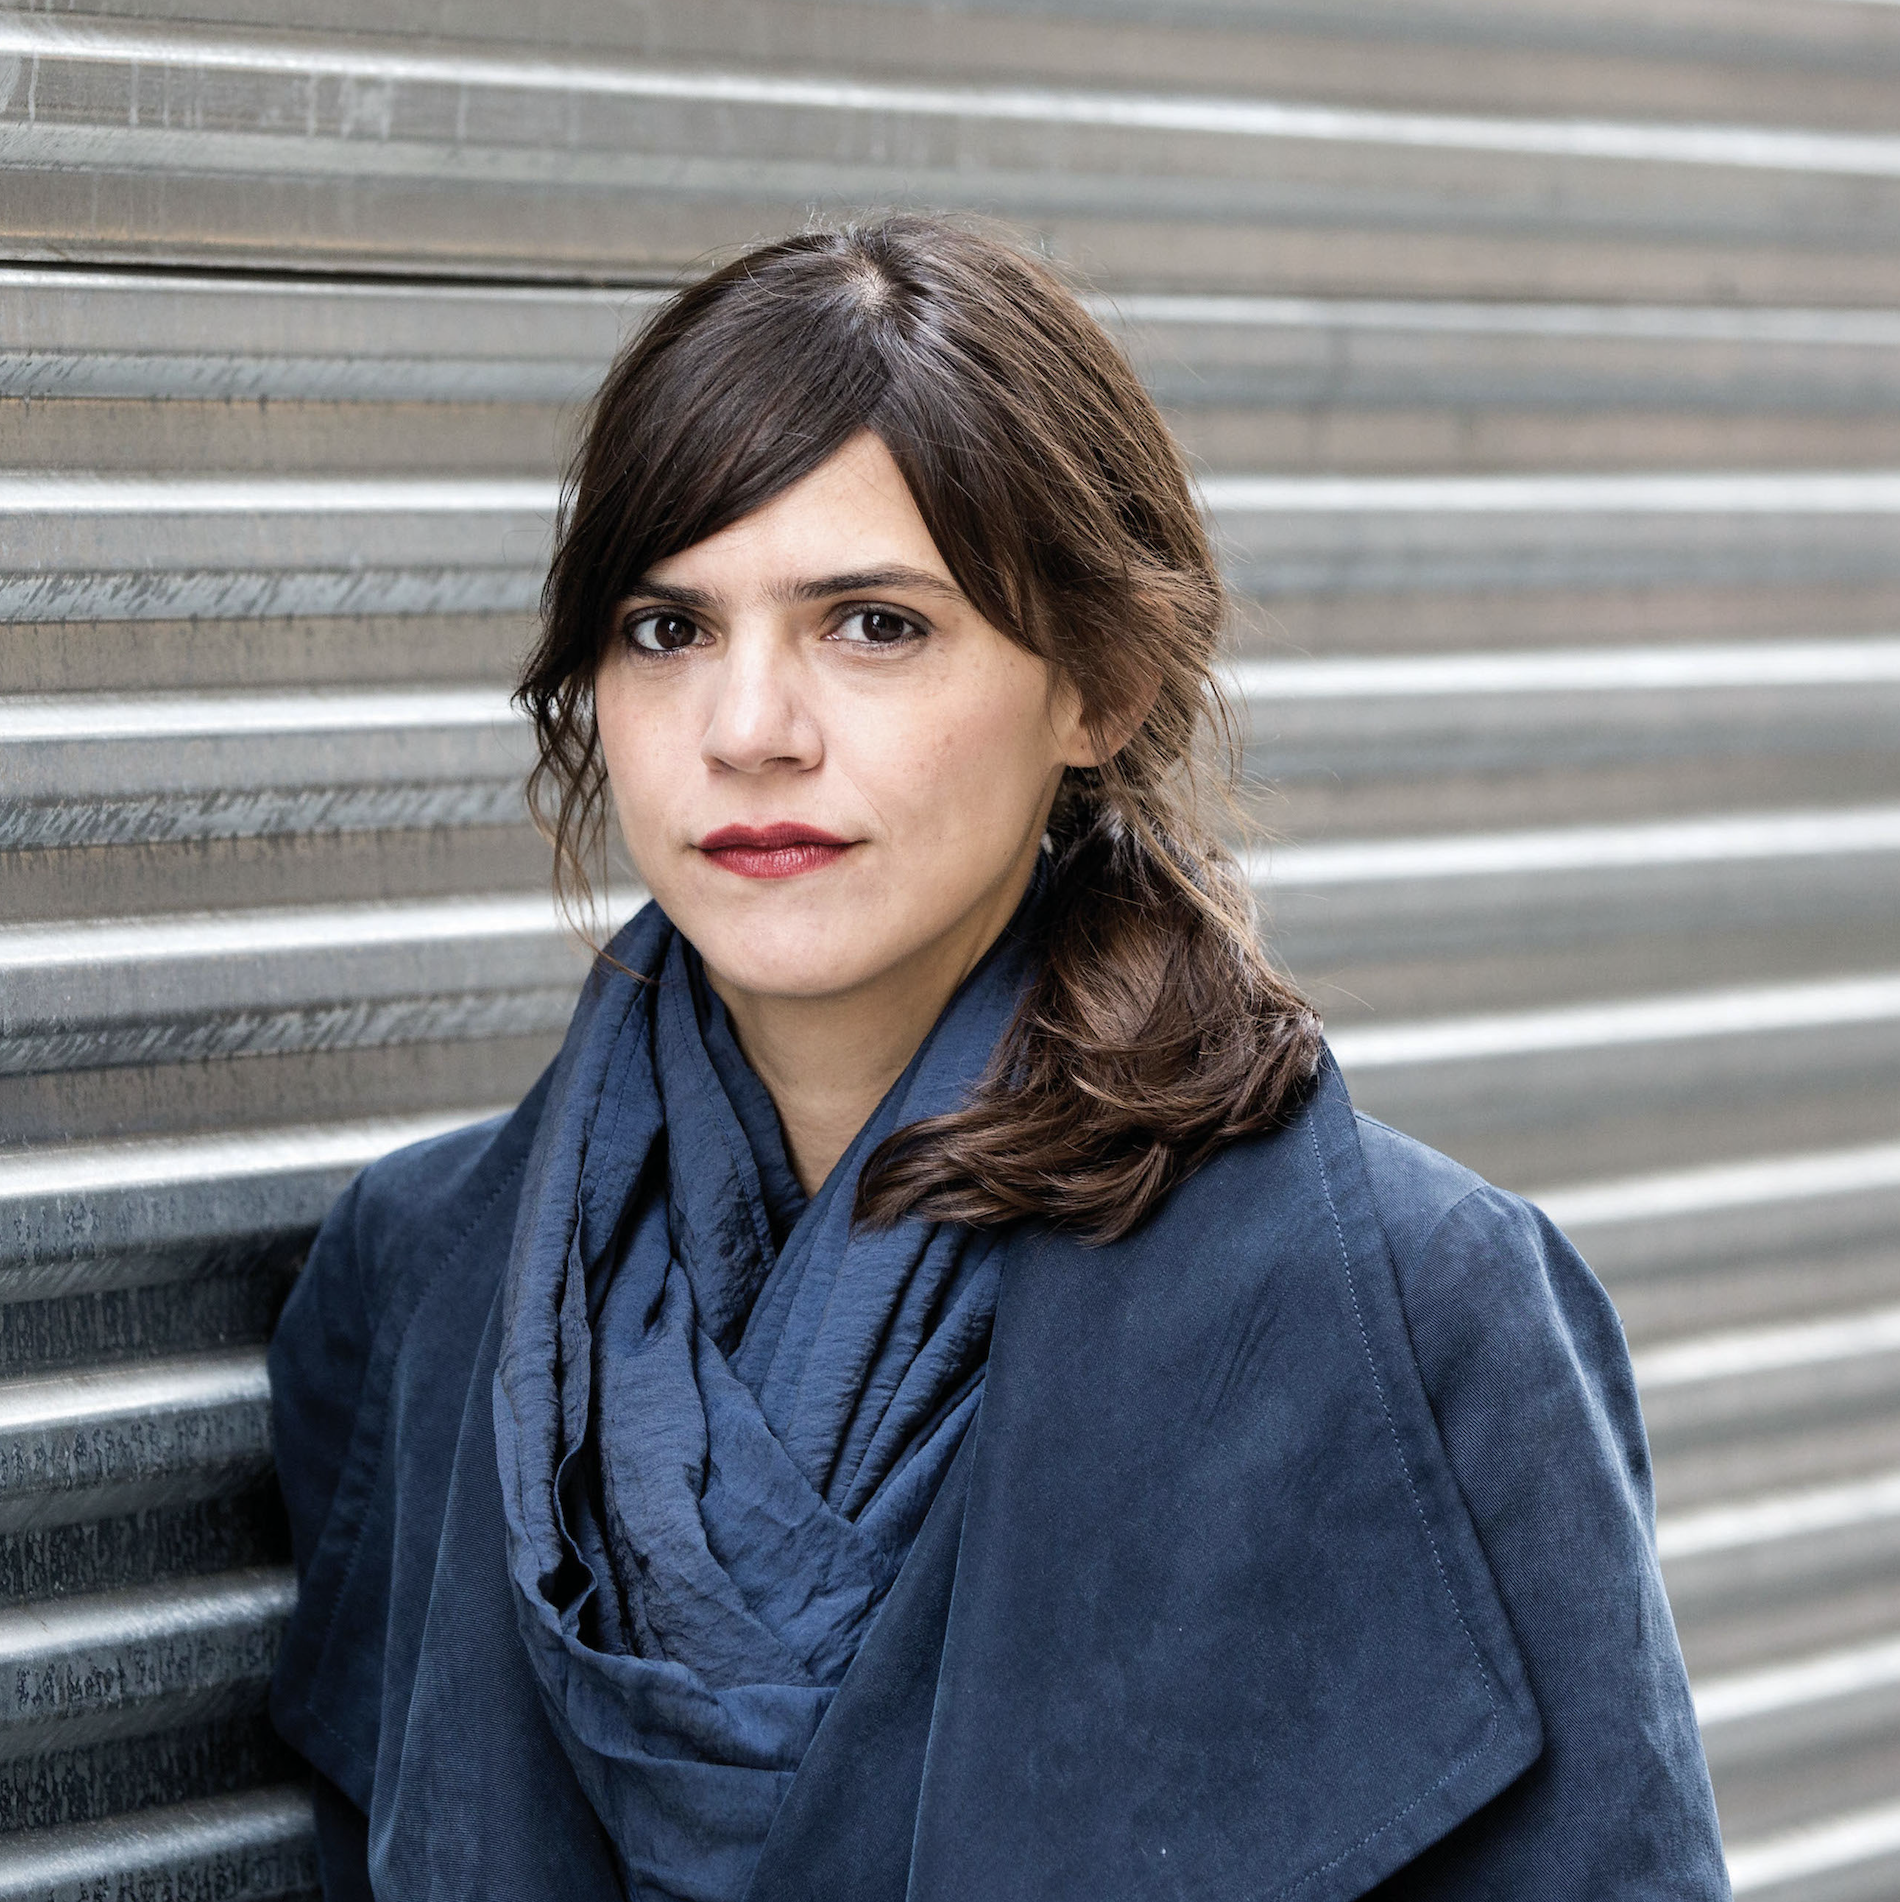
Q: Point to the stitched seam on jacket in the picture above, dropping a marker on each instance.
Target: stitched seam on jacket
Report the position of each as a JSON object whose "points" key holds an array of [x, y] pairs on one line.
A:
{"points": [[401, 1327], [1438, 1564]]}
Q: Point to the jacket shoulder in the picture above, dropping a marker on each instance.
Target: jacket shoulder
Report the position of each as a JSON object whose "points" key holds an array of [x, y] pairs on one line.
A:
{"points": [[403, 1219], [1481, 1267], [412, 1208], [1414, 1186]]}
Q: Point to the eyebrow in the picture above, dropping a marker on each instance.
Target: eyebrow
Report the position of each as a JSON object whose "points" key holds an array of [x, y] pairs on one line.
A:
{"points": [[872, 581], [816, 588]]}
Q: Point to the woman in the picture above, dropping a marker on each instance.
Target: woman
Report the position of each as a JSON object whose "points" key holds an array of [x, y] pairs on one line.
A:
{"points": [[935, 1394]]}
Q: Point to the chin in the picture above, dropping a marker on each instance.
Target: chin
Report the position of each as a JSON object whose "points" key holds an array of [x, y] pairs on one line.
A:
{"points": [[785, 960]]}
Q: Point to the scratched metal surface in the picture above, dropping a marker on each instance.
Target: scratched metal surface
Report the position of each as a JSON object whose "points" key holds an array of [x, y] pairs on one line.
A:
{"points": [[1541, 366]]}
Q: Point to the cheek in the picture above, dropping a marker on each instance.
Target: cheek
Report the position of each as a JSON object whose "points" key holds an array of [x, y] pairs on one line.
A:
{"points": [[964, 767], [638, 748]]}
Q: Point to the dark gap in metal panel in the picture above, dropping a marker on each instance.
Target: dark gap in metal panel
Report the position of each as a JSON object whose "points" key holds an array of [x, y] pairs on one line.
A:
{"points": [[124, 1774], [317, 275], [124, 1324], [244, 1528]]}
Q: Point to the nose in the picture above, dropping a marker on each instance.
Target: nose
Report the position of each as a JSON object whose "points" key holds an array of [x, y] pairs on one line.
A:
{"points": [[759, 721]]}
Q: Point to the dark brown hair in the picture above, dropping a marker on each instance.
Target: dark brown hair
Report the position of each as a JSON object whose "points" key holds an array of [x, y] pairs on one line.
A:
{"points": [[1157, 1029]]}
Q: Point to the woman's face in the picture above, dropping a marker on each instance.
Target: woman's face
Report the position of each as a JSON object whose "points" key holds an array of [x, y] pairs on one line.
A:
{"points": [[830, 769]]}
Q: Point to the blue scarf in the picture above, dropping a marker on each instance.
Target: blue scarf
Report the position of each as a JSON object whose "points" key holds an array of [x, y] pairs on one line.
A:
{"points": [[721, 1414]]}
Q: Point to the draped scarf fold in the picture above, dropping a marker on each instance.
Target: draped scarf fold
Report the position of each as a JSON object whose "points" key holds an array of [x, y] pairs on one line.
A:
{"points": [[721, 1414]]}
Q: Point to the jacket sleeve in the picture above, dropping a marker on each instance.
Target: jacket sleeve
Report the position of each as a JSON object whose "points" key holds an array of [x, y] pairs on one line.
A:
{"points": [[318, 1361], [319, 1357], [1524, 1361]]}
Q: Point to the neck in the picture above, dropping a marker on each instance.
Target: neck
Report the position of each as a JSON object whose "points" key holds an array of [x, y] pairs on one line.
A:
{"points": [[827, 1062]]}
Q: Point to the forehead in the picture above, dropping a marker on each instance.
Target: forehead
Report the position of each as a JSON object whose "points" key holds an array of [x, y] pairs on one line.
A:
{"points": [[853, 511]]}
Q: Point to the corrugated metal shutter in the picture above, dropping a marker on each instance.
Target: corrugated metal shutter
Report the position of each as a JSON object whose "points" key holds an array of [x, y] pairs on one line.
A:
{"points": [[1545, 365]]}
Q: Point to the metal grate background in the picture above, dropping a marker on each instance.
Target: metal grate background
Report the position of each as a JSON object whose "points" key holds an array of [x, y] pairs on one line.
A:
{"points": [[1543, 361]]}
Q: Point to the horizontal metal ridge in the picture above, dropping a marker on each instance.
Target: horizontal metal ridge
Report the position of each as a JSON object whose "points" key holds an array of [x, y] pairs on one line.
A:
{"points": [[1743, 1011], [124, 1662], [243, 1848], [238, 375], [146, 295], [1843, 154], [1760, 1182], [1762, 1350], [233, 374], [1784, 1686], [95, 769], [1690, 492], [101, 1441], [58, 1402], [1300, 535], [1689, 323], [1755, 1212], [181, 716], [1819, 1849], [1800, 663], [79, 993], [59, 1202], [62, 492], [103, 333], [1752, 492], [171, 1162], [1741, 838], [250, 588], [1381, 718], [89, 545], [74, 947], [1774, 1517], [55, 1627]]}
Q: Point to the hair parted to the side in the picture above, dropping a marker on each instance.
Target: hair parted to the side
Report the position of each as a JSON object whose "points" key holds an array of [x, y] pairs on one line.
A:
{"points": [[1157, 1030]]}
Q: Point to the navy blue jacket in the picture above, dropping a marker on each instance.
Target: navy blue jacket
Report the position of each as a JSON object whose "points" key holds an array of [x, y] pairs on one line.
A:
{"points": [[1302, 1548]]}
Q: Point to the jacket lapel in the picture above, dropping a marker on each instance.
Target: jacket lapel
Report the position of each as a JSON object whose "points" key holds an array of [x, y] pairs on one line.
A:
{"points": [[1220, 1625]]}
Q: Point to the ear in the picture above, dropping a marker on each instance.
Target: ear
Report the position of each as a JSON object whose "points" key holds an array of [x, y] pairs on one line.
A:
{"points": [[1082, 743]]}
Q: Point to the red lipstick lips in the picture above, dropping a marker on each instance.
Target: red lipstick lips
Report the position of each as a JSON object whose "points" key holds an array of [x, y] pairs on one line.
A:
{"points": [[776, 851]]}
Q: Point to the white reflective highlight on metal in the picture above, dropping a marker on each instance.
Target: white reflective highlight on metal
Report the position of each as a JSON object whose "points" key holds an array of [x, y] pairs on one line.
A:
{"points": [[170, 1161], [1745, 838], [1837, 1844], [302, 292], [1765, 1350], [95, 333], [107, 1853], [31, 492], [1706, 323], [172, 1610], [1760, 1182], [178, 716], [1574, 670], [1748, 147], [97, 1396], [1790, 492], [1725, 1013], [1779, 1516], [1728, 1700], [82, 942]]}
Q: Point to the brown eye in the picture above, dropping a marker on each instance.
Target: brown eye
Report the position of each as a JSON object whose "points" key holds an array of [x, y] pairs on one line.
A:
{"points": [[878, 627], [662, 633]]}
